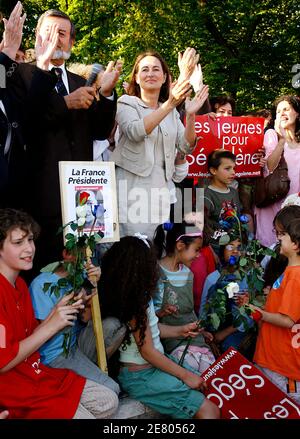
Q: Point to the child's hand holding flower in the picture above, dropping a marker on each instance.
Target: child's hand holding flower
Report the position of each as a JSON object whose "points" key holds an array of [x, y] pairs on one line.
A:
{"points": [[93, 272], [191, 330], [167, 310], [256, 313]]}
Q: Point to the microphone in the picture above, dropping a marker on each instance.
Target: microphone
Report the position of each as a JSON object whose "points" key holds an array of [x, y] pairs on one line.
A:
{"points": [[96, 68]]}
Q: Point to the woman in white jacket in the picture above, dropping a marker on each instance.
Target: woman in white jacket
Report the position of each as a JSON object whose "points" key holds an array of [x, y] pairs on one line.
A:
{"points": [[150, 136]]}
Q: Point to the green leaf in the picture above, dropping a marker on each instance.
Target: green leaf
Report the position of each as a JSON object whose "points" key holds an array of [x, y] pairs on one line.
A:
{"points": [[63, 282], [70, 245], [70, 236], [215, 321], [243, 262], [225, 239], [74, 226], [46, 286]]}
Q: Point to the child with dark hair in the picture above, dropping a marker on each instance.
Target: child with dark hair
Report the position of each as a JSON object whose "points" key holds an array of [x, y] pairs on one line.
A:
{"points": [[173, 298], [221, 164], [274, 267], [230, 332], [277, 350], [129, 278], [82, 357], [29, 389]]}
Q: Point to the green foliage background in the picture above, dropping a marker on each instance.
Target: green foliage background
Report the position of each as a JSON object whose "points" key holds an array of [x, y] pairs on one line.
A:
{"points": [[247, 47]]}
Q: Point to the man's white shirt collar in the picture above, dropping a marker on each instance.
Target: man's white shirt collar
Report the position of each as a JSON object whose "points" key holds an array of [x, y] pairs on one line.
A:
{"points": [[64, 74]]}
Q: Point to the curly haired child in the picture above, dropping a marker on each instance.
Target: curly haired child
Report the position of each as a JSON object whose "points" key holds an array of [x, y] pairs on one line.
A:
{"points": [[29, 389], [129, 277]]}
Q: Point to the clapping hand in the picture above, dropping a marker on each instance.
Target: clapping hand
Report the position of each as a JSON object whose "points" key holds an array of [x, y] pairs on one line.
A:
{"points": [[110, 77], [194, 105], [196, 80], [45, 48], [13, 28], [187, 63], [179, 91]]}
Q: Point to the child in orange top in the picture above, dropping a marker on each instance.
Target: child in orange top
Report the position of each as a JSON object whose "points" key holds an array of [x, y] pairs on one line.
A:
{"points": [[278, 348]]}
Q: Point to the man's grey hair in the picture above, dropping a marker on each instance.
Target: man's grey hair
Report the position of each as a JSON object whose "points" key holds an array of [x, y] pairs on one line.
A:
{"points": [[56, 13]]}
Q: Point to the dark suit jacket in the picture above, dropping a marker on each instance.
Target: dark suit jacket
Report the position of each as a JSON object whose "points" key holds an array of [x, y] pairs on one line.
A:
{"points": [[54, 133], [13, 167]]}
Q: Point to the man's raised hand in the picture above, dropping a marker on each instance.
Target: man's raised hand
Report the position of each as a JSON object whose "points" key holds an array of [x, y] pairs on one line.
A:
{"points": [[45, 48], [13, 28]]}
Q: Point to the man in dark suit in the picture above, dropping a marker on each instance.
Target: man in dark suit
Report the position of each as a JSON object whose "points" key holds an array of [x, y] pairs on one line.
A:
{"points": [[12, 148], [64, 129]]}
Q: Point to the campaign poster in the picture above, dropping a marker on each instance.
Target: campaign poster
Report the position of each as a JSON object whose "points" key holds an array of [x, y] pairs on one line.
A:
{"points": [[242, 391], [96, 183], [243, 136]]}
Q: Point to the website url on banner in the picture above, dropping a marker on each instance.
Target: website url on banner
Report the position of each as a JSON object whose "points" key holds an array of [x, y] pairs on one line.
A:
{"points": [[248, 174], [237, 174], [219, 365], [199, 174]]}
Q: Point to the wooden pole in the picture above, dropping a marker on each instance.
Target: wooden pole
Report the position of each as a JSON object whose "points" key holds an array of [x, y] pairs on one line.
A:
{"points": [[97, 324]]}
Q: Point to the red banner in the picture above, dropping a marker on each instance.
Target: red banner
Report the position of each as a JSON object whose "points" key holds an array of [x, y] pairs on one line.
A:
{"points": [[241, 391], [241, 135]]}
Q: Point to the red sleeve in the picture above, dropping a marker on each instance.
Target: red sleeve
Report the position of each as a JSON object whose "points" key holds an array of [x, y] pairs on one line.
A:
{"points": [[210, 260], [9, 347]]}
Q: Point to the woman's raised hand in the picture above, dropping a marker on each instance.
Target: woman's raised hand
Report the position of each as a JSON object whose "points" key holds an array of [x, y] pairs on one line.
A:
{"points": [[283, 134], [179, 91], [194, 105], [196, 79], [187, 63]]}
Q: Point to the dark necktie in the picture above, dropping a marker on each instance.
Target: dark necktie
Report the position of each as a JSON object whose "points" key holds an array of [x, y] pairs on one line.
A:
{"points": [[60, 86]]}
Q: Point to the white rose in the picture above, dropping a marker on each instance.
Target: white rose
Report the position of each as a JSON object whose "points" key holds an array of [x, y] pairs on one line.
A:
{"points": [[81, 222], [232, 288], [81, 211]]}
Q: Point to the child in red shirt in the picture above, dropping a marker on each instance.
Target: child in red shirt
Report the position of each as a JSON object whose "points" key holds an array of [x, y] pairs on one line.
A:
{"points": [[28, 389]]}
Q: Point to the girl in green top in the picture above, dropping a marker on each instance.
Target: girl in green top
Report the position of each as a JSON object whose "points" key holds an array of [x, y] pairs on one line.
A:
{"points": [[173, 298]]}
